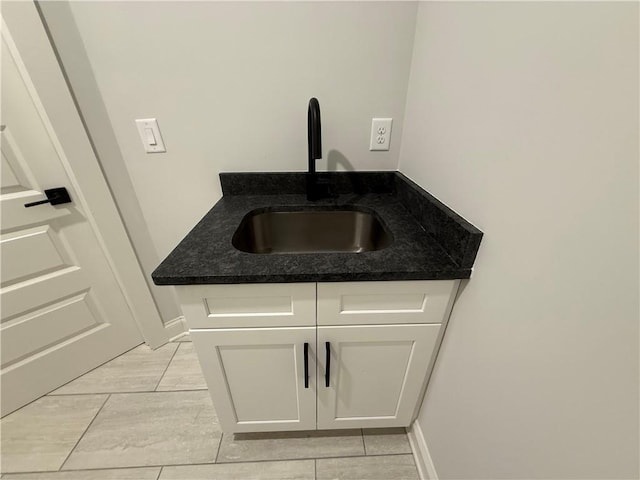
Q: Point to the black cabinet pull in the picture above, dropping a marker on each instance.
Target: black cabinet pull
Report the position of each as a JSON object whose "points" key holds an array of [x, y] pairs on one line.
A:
{"points": [[327, 372], [55, 196], [306, 365]]}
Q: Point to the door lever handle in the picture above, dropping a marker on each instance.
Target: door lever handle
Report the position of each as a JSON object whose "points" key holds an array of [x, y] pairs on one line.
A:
{"points": [[55, 196]]}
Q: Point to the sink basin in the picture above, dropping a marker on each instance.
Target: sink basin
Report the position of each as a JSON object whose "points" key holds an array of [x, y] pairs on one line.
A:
{"points": [[311, 230]]}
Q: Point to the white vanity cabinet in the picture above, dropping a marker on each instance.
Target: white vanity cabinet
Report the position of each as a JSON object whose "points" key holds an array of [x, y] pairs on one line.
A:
{"points": [[305, 356]]}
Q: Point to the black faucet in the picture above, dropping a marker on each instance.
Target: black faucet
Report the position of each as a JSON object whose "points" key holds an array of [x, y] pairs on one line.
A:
{"points": [[314, 135]]}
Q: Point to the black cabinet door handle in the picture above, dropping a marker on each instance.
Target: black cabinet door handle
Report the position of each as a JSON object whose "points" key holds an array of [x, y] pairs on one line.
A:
{"points": [[327, 372], [306, 365], [55, 196]]}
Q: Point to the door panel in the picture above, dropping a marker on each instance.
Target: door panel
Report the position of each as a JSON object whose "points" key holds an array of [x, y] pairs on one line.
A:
{"points": [[376, 374], [19, 184], [256, 377], [46, 327], [250, 368], [369, 303], [249, 305], [30, 253], [358, 362], [8, 177], [62, 309]]}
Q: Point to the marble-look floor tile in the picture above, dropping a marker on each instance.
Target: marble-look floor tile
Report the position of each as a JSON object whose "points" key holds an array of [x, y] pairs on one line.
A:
{"points": [[184, 372], [248, 447], [145, 429], [287, 470], [147, 473], [386, 441], [138, 370], [386, 467], [40, 436]]}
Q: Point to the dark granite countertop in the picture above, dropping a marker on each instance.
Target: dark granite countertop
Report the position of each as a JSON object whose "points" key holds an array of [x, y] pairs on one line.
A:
{"points": [[206, 255]]}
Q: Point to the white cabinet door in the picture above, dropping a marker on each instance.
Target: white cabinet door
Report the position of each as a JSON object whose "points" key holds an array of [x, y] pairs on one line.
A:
{"points": [[376, 373], [256, 377]]}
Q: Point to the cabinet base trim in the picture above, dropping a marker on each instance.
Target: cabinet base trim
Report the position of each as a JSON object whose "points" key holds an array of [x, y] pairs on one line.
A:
{"points": [[176, 328], [421, 455]]}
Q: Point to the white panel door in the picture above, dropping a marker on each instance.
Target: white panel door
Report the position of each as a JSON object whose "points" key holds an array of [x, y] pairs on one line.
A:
{"points": [[63, 311], [256, 377], [375, 373]]}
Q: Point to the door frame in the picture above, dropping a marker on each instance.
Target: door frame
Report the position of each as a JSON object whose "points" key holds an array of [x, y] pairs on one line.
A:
{"points": [[79, 160]]}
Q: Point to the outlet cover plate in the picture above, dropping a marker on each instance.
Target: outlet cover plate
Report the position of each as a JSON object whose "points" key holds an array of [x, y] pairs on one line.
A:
{"points": [[380, 133]]}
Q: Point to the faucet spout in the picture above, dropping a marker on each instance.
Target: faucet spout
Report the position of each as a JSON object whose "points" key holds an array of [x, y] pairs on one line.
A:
{"points": [[314, 133], [314, 137]]}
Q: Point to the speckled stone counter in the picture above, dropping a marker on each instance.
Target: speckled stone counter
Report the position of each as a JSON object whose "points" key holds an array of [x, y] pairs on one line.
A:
{"points": [[431, 242]]}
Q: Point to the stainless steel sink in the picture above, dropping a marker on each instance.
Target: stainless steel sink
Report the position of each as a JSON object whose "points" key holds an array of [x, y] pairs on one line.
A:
{"points": [[308, 230]]}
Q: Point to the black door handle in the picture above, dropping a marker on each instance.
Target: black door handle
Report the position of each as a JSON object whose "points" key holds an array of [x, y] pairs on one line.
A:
{"points": [[306, 365], [327, 372], [55, 196]]}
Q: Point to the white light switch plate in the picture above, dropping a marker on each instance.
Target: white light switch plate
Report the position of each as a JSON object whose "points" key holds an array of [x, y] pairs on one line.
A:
{"points": [[380, 133], [150, 135]]}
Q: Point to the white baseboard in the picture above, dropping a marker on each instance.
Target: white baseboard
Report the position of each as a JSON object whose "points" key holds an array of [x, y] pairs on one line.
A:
{"points": [[175, 328], [426, 468]]}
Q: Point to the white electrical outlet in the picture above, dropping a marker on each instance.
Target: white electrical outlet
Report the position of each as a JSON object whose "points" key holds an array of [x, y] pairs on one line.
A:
{"points": [[380, 133]]}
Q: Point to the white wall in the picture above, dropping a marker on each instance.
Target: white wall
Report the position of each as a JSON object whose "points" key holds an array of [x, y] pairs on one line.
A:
{"points": [[229, 83], [523, 117], [61, 26]]}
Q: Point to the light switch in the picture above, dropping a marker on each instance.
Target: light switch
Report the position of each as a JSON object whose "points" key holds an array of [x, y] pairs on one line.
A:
{"points": [[151, 138], [150, 135]]}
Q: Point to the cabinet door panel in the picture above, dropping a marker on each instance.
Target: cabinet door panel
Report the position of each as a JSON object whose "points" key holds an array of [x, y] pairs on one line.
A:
{"points": [[361, 303], [376, 374], [252, 305], [256, 377]]}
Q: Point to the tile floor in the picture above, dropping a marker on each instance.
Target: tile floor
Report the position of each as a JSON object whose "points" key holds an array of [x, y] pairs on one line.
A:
{"points": [[147, 415]]}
